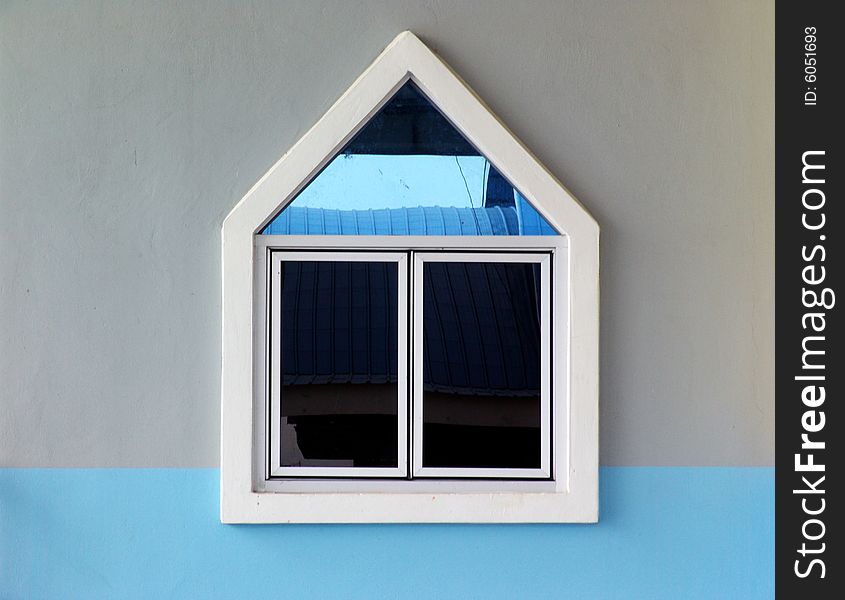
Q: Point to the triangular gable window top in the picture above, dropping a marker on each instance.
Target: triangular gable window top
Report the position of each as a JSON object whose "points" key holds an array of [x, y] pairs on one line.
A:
{"points": [[409, 171]]}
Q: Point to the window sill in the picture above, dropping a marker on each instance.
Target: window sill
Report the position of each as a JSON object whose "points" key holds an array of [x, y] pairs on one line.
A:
{"points": [[463, 507]]}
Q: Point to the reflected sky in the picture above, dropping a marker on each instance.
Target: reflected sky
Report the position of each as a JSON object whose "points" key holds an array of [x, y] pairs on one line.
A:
{"points": [[370, 181], [410, 164]]}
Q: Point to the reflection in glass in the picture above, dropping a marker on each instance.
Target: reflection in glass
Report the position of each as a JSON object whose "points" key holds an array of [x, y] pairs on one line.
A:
{"points": [[481, 371], [339, 391], [409, 172]]}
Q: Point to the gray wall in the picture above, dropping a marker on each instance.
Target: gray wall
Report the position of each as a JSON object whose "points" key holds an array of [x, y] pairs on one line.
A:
{"points": [[127, 133]]}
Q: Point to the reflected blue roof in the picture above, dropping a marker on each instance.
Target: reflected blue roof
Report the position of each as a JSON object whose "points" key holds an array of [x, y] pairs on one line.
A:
{"points": [[521, 219], [481, 330], [493, 308]]}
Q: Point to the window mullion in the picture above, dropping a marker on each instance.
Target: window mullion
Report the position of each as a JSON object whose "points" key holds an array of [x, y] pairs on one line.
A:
{"points": [[417, 361]]}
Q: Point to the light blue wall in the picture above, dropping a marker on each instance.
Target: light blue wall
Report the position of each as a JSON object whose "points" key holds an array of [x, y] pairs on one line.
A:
{"points": [[665, 532]]}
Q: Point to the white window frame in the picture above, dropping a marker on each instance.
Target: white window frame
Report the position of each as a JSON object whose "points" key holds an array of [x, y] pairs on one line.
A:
{"points": [[482, 255], [543, 250], [572, 494], [272, 398]]}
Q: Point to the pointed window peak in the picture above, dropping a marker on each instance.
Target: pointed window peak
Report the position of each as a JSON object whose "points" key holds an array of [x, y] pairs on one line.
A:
{"points": [[409, 171]]}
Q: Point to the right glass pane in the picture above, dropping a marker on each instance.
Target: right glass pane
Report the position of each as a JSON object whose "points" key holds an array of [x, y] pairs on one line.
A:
{"points": [[481, 365]]}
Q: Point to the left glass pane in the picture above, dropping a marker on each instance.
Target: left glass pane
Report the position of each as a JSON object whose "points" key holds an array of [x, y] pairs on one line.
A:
{"points": [[337, 324]]}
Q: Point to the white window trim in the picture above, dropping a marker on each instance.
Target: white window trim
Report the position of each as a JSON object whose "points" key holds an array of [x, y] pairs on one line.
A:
{"points": [[272, 398], [573, 495], [538, 249], [485, 256]]}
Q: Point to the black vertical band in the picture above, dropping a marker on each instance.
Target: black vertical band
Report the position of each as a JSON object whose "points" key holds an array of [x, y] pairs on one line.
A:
{"points": [[809, 363]]}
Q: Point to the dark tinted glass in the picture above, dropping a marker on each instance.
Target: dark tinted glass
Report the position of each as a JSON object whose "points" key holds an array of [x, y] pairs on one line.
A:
{"points": [[409, 172], [339, 364], [481, 350]]}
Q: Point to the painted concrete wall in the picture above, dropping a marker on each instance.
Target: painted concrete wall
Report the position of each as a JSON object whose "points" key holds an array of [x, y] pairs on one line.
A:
{"points": [[670, 532], [129, 130]]}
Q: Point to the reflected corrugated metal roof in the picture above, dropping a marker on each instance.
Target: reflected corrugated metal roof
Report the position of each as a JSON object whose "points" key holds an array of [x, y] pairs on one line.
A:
{"points": [[339, 322], [339, 318], [481, 328], [420, 220]]}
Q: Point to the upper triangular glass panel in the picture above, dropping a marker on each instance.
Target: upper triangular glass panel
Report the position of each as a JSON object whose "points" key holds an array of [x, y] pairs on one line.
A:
{"points": [[409, 172]]}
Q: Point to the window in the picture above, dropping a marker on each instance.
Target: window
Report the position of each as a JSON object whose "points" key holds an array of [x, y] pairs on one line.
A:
{"points": [[482, 365], [346, 397], [337, 370], [410, 319]]}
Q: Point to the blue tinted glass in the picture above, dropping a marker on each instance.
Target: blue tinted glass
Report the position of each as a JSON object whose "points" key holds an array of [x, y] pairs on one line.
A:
{"points": [[409, 172]]}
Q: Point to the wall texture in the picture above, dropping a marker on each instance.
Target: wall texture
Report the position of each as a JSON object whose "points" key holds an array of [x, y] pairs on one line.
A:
{"points": [[664, 534], [129, 130]]}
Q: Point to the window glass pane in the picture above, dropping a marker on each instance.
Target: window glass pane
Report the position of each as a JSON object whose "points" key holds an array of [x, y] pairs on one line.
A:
{"points": [[339, 387], [409, 172], [481, 371]]}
